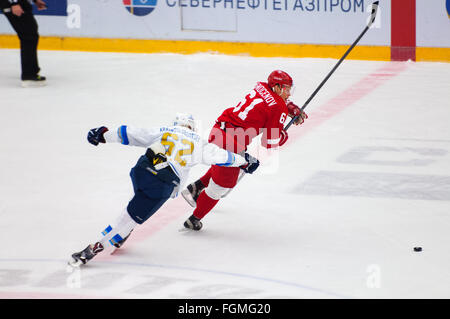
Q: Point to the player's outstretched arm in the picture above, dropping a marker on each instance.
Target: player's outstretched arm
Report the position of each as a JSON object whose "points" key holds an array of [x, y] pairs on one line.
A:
{"points": [[214, 155], [123, 134]]}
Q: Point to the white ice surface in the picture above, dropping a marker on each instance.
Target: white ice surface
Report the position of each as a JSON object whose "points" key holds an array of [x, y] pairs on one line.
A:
{"points": [[335, 214]]}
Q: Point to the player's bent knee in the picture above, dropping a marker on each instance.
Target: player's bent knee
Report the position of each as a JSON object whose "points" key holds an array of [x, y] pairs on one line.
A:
{"points": [[215, 191]]}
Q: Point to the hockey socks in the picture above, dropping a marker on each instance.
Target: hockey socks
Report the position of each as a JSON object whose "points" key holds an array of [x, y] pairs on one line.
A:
{"points": [[204, 205], [205, 178], [116, 235]]}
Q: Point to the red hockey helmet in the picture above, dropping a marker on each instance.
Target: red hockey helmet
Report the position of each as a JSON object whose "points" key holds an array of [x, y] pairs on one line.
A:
{"points": [[279, 77]]}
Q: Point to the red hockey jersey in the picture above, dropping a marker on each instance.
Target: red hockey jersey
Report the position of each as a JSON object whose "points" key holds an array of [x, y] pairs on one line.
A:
{"points": [[261, 111]]}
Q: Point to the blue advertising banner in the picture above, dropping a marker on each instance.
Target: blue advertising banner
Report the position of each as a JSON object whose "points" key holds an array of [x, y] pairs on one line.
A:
{"points": [[54, 8]]}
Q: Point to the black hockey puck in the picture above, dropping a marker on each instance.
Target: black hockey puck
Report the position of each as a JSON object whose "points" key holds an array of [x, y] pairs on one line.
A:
{"points": [[417, 248]]}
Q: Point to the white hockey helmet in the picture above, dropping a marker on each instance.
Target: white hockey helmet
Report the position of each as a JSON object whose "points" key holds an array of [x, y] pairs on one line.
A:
{"points": [[186, 120]]}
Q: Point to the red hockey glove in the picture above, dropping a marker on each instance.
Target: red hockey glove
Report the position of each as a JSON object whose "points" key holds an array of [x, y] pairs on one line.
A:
{"points": [[294, 110], [283, 137]]}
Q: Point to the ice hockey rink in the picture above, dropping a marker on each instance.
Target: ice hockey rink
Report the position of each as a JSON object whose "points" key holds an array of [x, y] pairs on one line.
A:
{"points": [[335, 213]]}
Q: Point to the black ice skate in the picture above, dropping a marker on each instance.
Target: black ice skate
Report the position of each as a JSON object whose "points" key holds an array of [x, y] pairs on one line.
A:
{"points": [[86, 254], [192, 191], [34, 81], [193, 223]]}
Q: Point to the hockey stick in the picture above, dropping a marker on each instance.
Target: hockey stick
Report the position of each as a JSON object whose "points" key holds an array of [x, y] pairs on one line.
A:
{"points": [[371, 21]]}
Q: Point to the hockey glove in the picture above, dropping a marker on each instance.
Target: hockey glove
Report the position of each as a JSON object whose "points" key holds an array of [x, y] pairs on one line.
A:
{"points": [[252, 164], [155, 158], [283, 137], [95, 135], [294, 111]]}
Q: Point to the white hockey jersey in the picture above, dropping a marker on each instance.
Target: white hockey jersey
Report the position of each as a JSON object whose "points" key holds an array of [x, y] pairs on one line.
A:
{"points": [[184, 148]]}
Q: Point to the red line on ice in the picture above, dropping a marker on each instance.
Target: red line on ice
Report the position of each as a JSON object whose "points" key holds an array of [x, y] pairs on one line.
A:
{"points": [[346, 98]]}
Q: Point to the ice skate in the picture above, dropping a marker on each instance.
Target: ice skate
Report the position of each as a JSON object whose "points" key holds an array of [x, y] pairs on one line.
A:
{"points": [[82, 257], [35, 81], [192, 191], [193, 223]]}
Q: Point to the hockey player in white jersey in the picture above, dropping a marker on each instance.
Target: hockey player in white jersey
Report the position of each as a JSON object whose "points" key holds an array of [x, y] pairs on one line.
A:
{"points": [[159, 174]]}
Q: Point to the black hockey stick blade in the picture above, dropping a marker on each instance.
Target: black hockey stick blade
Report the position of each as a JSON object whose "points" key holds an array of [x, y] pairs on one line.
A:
{"points": [[371, 21]]}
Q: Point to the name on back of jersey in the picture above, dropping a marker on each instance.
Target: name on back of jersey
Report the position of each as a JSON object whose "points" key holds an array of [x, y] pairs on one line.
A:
{"points": [[265, 94], [183, 131]]}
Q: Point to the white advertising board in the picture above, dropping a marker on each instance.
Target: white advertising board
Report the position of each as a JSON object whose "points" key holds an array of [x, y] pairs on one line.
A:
{"points": [[267, 21], [433, 23]]}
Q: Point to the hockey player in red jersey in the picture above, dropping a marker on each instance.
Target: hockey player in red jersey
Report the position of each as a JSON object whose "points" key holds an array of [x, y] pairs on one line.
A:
{"points": [[263, 111]]}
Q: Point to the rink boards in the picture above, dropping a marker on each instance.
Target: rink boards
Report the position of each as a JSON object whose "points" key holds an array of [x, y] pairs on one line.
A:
{"points": [[404, 30]]}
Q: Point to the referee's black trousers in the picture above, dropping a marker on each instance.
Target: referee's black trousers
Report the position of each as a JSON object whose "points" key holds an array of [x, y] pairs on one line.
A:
{"points": [[27, 30]]}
